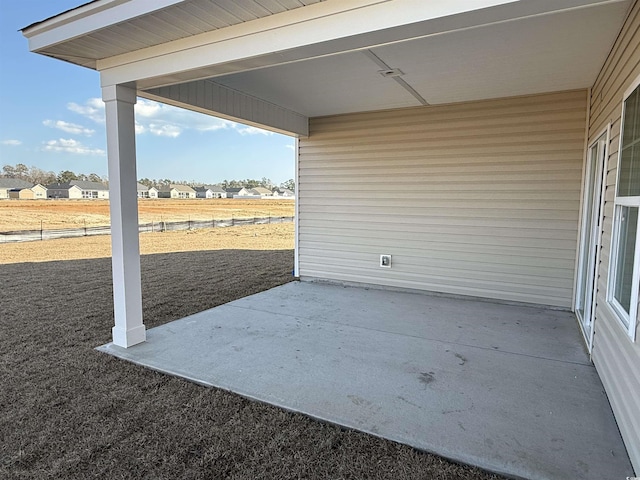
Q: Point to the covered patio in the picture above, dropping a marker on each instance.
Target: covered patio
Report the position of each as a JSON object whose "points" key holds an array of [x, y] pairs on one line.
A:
{"points": [[466, 147], [508, 388]]}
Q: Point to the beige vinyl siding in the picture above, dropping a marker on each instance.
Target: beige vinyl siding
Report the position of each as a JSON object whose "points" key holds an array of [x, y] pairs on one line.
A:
{"points": [[616, 358], [478, 199]]}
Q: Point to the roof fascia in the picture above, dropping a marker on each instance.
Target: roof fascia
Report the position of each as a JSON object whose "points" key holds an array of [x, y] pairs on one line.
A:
{"points": [[88, 19], [322, 29]]}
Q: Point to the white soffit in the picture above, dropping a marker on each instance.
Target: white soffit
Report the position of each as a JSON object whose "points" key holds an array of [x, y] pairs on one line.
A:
{"points": [[106, 28], [544, 53], [336, 84]]}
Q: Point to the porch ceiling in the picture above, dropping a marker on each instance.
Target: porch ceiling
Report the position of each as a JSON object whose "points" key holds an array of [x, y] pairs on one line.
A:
{"points": [[536, 54], [308, 58]]}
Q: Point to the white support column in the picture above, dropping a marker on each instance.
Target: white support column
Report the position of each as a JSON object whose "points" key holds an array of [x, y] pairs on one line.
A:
{"points": [[125, 246]]}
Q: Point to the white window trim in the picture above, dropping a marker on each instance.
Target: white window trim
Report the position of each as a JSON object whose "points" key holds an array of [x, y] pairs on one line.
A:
{"points": [[627, 321]]}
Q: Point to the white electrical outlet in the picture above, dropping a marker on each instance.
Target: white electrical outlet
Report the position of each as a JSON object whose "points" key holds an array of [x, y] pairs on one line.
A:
{"points": [[385, 261]]}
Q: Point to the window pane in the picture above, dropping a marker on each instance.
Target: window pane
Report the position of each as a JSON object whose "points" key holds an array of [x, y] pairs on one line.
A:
{"points": [[629, 177], [629, 182], [626, 246]]}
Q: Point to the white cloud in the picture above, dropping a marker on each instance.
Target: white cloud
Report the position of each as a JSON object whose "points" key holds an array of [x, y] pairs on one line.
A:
{"points": [[147, 108], [12, 143], [165, 130], [92, 109], [165, 120], [292, 147], [69, 127], [246, 130], [71, 146], [168, 121]]}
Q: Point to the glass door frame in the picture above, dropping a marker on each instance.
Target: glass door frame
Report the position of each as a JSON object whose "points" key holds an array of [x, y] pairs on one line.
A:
{"points": [[586, 284]]}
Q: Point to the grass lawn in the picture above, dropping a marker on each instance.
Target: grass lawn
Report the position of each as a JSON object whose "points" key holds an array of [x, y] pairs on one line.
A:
{"points": [[52, 214], [68, 411]]}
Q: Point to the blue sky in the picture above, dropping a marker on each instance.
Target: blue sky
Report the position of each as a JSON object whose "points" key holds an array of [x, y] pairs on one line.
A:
{"points": [[51, 117]]}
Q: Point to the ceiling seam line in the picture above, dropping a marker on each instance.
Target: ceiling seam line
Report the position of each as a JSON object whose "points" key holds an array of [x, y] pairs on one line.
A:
{"points": [[411, 90], [382, 64], [376, 59]]}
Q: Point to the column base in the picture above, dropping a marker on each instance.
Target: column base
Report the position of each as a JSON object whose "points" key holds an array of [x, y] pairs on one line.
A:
{"points": [[128, 338]]}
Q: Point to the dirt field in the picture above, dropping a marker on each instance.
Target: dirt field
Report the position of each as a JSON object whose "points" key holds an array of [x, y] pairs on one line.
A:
{"points": [[70, 412], [52, 214], [250, 237]]}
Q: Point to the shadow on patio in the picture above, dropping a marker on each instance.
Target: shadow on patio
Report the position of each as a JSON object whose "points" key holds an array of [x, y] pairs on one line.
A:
{"points": [[507, 388]]}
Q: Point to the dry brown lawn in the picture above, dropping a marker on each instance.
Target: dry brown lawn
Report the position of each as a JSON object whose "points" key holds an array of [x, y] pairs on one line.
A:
{"points": [[70, 412], [52, 214], [249, 237]]}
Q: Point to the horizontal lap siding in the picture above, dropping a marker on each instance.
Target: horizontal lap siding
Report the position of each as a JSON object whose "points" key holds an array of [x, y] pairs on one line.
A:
{"points": [[478, 199], [616, 358]]}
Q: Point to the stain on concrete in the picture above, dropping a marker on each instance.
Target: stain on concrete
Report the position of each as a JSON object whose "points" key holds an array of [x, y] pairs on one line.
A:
{"points": [[459, 410], [356, 400], [427, 378], [462, 359], [402, 399], [447, 412], [583, 467]]}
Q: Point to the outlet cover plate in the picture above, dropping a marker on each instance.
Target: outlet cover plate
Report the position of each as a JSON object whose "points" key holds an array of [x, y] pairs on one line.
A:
{"points": [[385, 261]]}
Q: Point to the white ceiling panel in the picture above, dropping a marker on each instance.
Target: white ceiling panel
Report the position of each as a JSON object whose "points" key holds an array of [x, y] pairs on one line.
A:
{"points": [[541, 54], [538, 54], [343, 83]]}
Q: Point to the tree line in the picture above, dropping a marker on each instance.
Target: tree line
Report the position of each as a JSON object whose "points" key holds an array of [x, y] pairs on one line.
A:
{"points": [[246, 183], [37, 175]]}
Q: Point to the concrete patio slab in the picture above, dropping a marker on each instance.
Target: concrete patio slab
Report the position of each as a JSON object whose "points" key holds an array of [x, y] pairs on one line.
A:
{"points": [[507, 388]]}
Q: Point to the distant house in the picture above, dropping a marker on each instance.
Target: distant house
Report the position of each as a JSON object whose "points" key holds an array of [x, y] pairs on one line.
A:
{"points": [[21, 194], [39, 192], [91, 190], [263, 192], [34, 193], [146, 192], [8, 184], [210, 191], [78, 189], [233, 192], [217, 191], [177, 191], [283, 192], [63, 190], [203, 192]]}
